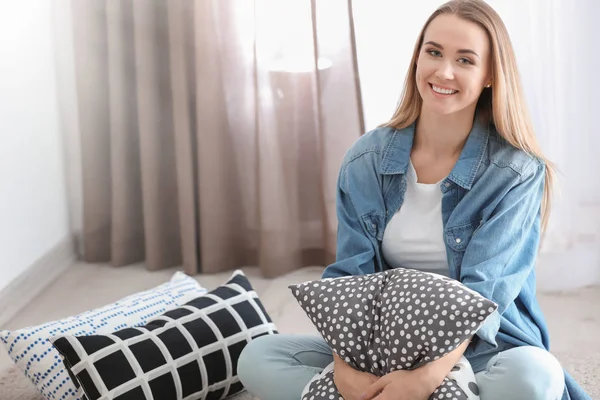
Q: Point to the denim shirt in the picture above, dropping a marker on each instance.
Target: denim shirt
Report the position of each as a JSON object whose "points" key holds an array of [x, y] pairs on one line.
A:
{"points": [[491, 203]]}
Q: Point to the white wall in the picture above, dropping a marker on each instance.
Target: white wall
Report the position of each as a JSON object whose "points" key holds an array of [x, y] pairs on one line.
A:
{"points": [[386, 31], [33, 201]]}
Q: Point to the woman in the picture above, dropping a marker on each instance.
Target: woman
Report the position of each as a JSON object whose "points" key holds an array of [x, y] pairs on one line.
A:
{"points": [[455, 184]]}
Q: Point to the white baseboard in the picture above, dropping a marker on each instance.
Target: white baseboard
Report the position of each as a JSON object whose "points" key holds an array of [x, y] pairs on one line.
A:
{"points": [[27, 286]]}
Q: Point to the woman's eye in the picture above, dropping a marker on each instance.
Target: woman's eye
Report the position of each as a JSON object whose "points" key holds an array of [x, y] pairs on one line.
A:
{"points": [[434, 53], [464, 61]]}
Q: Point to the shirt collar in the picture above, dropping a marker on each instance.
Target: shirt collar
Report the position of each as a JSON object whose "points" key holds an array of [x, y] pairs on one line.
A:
{"points": [[396, 155]]}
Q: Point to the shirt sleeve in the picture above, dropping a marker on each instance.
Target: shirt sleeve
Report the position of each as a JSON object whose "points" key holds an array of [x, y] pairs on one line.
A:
{"points": [[502, 253], [355, 254]]}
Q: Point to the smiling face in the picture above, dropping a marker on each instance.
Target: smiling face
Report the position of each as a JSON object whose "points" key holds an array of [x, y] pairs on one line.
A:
{"points": [[454, 65]]}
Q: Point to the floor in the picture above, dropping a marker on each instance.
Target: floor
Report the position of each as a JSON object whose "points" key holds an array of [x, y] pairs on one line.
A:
{"points": [[573, 317]]}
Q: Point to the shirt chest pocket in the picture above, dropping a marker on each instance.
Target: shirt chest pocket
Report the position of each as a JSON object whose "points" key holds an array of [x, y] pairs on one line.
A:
{"points": [[458, 238]]}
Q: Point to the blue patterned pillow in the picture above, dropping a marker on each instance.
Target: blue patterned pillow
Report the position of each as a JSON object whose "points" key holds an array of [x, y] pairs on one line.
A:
{"points": [[31, 349]]}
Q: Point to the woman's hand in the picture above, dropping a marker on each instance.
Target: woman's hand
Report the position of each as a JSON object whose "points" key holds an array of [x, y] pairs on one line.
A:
{"points": [[400, 385], [349, 382], [416, 384]]}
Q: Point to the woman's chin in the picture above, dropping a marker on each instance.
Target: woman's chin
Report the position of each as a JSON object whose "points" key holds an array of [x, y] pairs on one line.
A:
{"points": [[433, 107], [436, 109]]}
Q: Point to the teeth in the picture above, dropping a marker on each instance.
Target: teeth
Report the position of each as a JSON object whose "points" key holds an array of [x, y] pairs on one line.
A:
{"points": [[443, 91]]}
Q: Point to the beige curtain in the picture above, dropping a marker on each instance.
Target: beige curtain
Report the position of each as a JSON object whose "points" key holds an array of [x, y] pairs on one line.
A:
{"points": [[212, 131]]}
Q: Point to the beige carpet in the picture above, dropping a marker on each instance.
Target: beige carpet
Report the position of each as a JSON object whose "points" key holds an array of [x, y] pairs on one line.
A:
{"points": [[573, 317]]}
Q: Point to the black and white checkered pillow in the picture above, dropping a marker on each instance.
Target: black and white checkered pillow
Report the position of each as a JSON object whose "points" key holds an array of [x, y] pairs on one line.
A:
{"points": [[189, 352], [392, 320]]}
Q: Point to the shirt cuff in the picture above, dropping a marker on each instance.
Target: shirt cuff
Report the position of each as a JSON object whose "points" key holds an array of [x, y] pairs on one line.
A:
{"points": [[487, 335]]}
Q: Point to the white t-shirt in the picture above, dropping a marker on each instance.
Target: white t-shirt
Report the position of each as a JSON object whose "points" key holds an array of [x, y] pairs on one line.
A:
{"points": [[414, 236]]}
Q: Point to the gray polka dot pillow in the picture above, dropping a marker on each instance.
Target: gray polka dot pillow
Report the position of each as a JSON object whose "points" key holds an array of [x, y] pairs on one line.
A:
{"points": [[397, 319]]}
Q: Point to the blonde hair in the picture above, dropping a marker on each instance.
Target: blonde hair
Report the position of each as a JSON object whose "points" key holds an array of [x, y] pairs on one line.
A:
{"points": [[502, 105]]}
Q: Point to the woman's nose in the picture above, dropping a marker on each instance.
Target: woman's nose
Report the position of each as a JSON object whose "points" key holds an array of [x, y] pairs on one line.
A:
{"points": [[445, 71]]}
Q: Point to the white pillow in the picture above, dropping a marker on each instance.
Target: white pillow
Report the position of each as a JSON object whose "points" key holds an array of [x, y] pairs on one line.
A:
{"points": [[32, 351]]}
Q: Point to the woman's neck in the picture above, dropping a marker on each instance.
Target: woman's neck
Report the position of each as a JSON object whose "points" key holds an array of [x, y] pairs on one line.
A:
{"points": [[442, 135]]}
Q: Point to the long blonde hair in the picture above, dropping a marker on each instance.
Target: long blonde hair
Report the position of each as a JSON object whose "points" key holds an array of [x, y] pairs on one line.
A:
{"points": [[502, 105]]}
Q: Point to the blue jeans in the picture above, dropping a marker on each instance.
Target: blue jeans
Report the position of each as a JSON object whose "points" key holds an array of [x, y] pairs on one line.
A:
{"points": [[278, 367]]}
